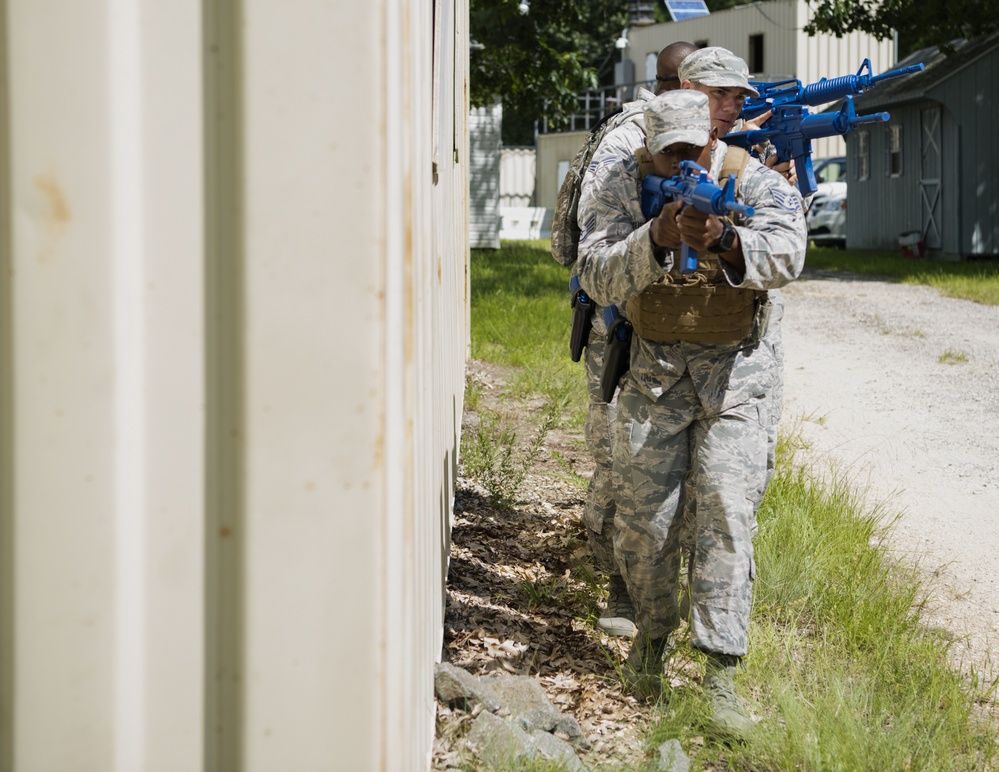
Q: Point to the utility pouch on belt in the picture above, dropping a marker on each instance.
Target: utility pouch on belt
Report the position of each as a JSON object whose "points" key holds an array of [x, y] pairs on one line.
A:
{"points": [[699, 313], [582, 319], [761, 322], [617, 353]]}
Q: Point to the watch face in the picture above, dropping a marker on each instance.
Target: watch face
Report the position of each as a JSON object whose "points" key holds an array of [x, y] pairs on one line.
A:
{"points": [[727, 238]]}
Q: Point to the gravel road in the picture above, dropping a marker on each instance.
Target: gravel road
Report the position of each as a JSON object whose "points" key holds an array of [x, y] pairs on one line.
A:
{"points": [[898, 386]]}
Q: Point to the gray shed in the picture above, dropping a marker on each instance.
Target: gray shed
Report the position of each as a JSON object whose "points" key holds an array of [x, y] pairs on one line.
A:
{"points": [[932, 171]]}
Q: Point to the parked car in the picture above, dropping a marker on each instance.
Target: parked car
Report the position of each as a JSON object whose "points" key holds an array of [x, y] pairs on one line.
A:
{"points": [[827, 214]]}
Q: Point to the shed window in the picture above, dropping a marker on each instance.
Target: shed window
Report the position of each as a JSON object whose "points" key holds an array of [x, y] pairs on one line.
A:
{"points": [[863, 155], [756, 54], [893, 151]]}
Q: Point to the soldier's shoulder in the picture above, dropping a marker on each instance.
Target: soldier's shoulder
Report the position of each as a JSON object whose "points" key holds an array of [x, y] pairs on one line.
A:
{"points": [[623, 139], [762, 184], [617, 149]]}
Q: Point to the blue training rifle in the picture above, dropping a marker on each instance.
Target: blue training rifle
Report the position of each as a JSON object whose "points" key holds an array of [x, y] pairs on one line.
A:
{"points": [[694, 188], [824, 91], [791, 127]]}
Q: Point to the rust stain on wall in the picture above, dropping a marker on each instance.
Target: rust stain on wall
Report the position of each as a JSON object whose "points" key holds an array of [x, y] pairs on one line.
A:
{"points": [[55, 214]]}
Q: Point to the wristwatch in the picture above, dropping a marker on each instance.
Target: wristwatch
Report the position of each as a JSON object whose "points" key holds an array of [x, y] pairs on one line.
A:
{"points": [[727, 240]]}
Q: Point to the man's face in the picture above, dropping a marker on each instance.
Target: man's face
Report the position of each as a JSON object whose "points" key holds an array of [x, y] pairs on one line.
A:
{"points": [[666, 163], [725, 103]]}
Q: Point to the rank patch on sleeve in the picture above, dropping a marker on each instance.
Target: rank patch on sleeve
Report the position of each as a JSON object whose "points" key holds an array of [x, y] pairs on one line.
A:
{"points": [[786, 199]]}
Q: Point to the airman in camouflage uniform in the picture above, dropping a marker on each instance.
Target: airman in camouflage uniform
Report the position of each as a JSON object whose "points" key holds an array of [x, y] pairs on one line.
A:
{"points": [[684, 399], [598, 513], [692, 73]]}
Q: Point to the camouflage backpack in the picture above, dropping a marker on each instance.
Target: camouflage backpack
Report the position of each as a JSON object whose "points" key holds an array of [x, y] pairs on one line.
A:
{"points": [[565, 228]]}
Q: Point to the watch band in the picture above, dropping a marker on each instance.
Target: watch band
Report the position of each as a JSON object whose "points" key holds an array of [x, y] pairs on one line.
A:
{"points": [[727, 239]]}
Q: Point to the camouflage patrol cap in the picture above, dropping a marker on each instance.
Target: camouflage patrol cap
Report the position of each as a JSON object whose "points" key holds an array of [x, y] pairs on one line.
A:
{"points": [[677, 116], [716, 66]]}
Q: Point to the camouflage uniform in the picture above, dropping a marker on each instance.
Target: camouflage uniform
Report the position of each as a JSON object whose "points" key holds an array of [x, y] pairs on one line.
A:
{"points": [[598, 513], [682, 401]]}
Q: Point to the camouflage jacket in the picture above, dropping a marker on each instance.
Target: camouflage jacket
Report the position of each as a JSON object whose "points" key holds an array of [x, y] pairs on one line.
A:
{"points": [[616, 263]]}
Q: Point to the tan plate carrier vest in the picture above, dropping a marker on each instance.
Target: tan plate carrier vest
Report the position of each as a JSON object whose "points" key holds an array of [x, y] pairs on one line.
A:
{"points": [[700, 307]]}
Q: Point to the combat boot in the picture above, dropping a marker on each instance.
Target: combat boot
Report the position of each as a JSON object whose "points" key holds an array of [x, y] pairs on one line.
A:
{"points": [[619, 616], [646, 664], [729, 716]]}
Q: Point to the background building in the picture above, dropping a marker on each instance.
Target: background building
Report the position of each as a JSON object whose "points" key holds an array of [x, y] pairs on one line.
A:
{"points": [[768, 36], [933, 170]]}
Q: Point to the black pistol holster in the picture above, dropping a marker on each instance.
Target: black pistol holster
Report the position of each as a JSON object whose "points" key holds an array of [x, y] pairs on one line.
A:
{"points": [[582, 319], [617, 352]]}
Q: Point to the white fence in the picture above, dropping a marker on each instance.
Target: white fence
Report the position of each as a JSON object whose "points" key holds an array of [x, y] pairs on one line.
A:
{"points": [[517, 176], [233, 326], [520, 218]]}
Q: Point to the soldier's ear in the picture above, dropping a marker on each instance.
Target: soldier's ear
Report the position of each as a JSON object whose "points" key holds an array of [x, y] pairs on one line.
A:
{"points": [[704, 159]]}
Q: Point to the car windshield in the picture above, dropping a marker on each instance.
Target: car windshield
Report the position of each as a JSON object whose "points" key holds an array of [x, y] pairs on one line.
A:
{"points": [[833, 170]]}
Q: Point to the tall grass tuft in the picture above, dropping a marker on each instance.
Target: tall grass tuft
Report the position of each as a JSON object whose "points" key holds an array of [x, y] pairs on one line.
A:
{"points": [[498, 457]]}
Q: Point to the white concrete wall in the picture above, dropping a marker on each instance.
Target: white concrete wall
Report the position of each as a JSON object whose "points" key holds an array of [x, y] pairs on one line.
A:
{"points": [[233, 326]]}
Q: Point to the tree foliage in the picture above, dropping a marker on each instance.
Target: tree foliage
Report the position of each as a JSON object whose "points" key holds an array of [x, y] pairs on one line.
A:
{"points": [[539, 62], [919, 23]]}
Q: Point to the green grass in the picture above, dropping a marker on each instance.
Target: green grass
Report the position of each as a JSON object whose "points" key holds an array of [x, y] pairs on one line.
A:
{"points": [[951, 357], [520, 319], [976, 280], [843, 671]]}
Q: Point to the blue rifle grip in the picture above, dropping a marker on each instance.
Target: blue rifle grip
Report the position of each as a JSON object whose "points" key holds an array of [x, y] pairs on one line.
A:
{"points": [[806, 175], [688, 258]]}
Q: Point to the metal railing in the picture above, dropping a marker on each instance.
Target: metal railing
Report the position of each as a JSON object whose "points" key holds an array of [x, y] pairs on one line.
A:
{"points": [[594, 104]]}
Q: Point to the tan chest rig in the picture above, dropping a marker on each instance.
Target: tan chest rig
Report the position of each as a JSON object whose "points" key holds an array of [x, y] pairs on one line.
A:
{"points": [[700, 307]]}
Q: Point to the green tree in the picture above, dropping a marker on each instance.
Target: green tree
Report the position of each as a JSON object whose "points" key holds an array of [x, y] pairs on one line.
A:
{"points": [[539, 62], [919, 23]]}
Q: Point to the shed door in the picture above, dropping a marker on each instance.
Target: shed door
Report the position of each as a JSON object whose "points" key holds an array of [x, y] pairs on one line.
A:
{"points": [[929, 177]]}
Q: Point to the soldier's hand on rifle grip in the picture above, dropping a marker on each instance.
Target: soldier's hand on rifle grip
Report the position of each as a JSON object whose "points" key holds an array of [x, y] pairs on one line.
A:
{"points": [[699, 230], [786, 169], [665, 231]]}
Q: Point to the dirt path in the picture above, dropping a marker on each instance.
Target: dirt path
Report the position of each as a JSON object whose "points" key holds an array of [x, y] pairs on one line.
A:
{"points": [[899, 386]]}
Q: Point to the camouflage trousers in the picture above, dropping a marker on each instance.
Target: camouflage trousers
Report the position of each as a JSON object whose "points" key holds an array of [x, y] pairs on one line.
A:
{"points": [[599, 510], [774, 344], [663, 450]]}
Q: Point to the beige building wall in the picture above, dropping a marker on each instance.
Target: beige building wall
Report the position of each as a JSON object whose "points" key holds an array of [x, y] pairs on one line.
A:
{"points": [[233, 327], [555, 150]]}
